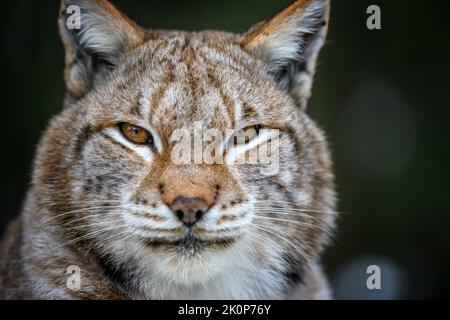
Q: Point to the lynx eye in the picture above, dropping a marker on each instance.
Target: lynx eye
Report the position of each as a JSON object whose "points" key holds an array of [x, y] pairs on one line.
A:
{"points": [[135, 134], [247, 134]]}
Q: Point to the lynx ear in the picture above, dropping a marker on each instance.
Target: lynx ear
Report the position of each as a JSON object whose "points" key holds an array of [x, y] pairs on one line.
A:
{"points": [[95, 34], [289, 44]]}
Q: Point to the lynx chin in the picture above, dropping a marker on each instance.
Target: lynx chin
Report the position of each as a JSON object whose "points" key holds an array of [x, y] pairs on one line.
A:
{"points": [[106, 197]]}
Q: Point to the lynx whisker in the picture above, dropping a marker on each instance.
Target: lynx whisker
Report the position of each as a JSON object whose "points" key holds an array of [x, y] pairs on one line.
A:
{"points": [[88, 209], [89, 235], [298, 247]]}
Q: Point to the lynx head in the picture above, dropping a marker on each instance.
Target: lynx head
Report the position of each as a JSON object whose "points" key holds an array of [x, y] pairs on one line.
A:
{"points": [[107, 162]]}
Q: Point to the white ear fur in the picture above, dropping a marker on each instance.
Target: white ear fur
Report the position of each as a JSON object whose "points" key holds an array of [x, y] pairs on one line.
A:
{"points": [[104, 29], [97, 45], [289, 44]]}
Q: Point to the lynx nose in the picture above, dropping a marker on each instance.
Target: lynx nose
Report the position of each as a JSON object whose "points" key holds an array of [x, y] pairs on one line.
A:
{"points": [[189, 210]]}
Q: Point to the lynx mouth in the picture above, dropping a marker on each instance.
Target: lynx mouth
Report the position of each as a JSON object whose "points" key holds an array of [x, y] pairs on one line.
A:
{"points": [[192, 242]]}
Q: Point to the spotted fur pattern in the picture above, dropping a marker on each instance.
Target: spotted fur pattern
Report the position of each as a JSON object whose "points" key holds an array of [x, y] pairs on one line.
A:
{"points": [[99, 202]]}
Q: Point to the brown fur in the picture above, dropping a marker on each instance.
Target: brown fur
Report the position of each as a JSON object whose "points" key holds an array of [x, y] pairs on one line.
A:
{"points": [[270, 230]]}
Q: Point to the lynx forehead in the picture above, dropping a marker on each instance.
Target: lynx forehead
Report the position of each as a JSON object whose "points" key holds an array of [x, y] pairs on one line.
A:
{"points": [[108, 197]]}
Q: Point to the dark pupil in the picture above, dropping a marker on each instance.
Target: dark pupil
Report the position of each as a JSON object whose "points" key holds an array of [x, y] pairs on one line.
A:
{"points": [[135, 131]]}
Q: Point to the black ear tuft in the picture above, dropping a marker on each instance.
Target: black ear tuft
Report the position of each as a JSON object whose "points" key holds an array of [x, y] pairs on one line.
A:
{"points": [[290, 43]]}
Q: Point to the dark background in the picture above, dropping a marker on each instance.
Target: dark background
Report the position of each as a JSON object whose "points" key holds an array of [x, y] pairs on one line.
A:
{"points": [[382, 97]]}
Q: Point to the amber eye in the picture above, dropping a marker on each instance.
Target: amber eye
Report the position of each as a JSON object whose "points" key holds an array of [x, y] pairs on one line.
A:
{"points": [[246, 134], [135, 134]]}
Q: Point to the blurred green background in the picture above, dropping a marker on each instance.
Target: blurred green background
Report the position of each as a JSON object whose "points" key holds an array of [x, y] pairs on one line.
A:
{"points": [[382, 97]]}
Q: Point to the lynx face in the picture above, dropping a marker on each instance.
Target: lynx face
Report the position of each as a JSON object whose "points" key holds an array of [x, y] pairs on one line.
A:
{"points": [[105, 168]]}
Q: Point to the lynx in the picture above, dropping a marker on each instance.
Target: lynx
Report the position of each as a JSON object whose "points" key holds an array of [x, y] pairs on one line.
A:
{"points": [[106, 197]]}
